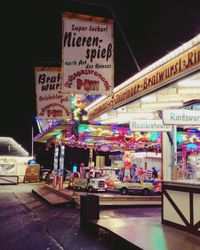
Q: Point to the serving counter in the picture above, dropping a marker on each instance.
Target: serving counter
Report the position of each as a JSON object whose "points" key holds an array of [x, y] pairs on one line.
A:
{"points": [[181, 205]]}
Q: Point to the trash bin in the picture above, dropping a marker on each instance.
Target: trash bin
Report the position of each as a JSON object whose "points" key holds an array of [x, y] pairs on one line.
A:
{"points": [[89, 209]]}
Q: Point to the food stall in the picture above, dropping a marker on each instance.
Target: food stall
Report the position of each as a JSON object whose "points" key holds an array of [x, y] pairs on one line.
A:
{"points": [[139, 105], [170, 84]]}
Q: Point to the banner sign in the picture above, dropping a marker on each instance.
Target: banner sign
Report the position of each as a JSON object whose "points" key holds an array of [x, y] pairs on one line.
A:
{"points": [[181, 117], [87, 54], [149, 125], [51, 104]]}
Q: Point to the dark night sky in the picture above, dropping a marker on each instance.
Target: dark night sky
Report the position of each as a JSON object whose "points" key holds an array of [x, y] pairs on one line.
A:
{"points": [[31, 34]]}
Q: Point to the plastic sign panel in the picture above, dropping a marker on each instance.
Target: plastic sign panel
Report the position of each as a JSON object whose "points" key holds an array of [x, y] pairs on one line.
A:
{"points": [[149, 125], [181, 117], [87, 54], [51, 104]]}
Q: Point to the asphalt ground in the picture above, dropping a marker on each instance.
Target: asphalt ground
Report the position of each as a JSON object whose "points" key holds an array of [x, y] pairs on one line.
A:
{"points": [[29, 223]]}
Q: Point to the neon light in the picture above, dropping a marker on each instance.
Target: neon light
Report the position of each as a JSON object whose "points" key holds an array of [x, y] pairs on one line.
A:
{"points": [[84, 128], [192, 146], [180, 138], [154, 136]]}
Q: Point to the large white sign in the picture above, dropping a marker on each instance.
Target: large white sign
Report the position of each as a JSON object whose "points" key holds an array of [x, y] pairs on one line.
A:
{"points": [[181, 117], [87, 55], [149, 125], [51, 104]]}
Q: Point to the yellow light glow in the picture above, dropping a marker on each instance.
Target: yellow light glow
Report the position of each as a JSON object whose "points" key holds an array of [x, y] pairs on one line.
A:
{"points": [[189, 83], [159, 105], [189, 91], [149, 98]]}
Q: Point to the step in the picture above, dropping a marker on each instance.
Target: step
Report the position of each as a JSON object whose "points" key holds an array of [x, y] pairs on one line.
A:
{"points": [[51, 197]]}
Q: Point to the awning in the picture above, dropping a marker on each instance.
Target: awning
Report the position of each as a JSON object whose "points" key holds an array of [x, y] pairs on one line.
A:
{"points": [[49, 133]]}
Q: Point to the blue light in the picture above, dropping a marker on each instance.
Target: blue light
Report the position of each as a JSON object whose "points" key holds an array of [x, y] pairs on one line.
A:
{"points": [[74, 168], [115, 131], [32, 162], [128, 132], [192, 146]]}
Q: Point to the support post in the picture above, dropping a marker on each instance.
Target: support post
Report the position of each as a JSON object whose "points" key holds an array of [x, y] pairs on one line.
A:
{"points": [[91, 157], [61, 165], [55, 165], [175, 145]]}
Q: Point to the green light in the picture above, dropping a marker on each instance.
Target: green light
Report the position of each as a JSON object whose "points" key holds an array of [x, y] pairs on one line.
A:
{"points": [[180, 138], [72, 102], [157, 236], [154, 136], [84, 128], [58, 135]]}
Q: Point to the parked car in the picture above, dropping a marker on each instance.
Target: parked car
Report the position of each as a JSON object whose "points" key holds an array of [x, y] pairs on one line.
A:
{"points": [[134, 187]]}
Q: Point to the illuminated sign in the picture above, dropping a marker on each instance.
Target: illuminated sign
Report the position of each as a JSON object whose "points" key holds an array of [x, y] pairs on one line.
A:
{"points": [[87, 54], [51, 104], [149, 125], [152, 81], [181, 117]]}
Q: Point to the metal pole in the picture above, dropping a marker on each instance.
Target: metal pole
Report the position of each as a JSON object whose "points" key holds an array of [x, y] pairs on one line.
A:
{"points": [[175, 145], [32, 144], [55, 165], [61, 166]]}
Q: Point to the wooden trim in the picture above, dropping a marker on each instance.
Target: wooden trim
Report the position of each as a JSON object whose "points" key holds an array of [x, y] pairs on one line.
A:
{"points": [[182, 188], [197, 225], [191, 209], [87, 17], [190, 226], [176, 208], [46, 68], [7, 181]]}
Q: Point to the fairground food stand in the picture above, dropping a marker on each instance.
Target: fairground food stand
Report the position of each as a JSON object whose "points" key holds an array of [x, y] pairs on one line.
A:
{"points": [[167, 93], [172, 83]]}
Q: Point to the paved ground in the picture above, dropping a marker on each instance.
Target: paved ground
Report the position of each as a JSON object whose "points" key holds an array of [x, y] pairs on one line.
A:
{"points": [[27, 222]]}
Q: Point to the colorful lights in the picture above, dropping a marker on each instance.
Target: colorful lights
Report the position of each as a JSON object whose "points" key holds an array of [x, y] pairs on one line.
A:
{"points": [[187, 137], [154, 136], [84, 128], [191, 146], [59, 136], [73, 102]]}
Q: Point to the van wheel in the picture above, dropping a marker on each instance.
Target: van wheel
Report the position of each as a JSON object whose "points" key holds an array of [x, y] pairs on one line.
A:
{"points": [[145, 191], [123, 191]]}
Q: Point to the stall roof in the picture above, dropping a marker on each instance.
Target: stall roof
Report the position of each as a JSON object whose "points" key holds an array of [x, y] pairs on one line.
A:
{"points": [[50, 132], [182, 93], [9, 147], [103, 138], [157, 87]]}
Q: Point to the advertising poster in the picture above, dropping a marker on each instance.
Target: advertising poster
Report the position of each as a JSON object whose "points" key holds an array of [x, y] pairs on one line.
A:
{"points": [[87, 54], [51, 104]]}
